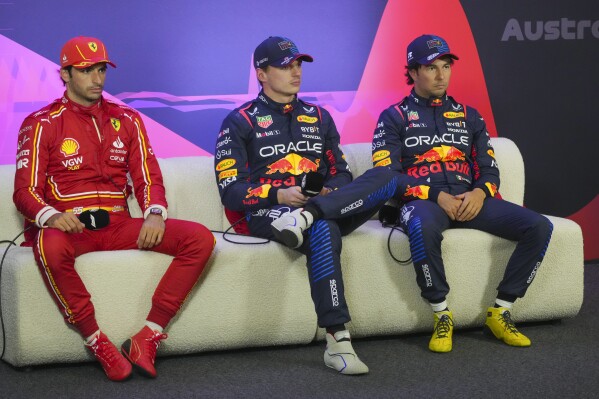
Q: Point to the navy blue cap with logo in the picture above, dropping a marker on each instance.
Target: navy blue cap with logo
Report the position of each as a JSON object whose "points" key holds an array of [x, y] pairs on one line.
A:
{"points": [[426, 49], [279, 52]]}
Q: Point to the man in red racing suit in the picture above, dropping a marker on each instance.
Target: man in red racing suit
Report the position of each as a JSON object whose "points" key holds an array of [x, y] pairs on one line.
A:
{"points": [[449, 179], [73, 161]]}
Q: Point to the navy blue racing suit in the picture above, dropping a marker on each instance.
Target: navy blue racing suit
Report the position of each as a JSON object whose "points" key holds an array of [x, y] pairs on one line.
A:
{"points": [[264, 146], [439, 145]]}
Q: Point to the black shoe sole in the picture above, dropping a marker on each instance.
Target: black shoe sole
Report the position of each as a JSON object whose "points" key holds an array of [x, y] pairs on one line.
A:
{"points": [[487, 331], [286, 237], [125, 349]]}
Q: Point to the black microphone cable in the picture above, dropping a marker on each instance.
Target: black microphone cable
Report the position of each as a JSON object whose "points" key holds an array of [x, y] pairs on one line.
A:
{"points": [[224, 233], [389, 217], [395, 227], [9, 242]]}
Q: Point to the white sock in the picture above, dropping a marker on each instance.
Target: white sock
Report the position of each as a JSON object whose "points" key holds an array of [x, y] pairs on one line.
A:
{"points": [[504, 304], [92, 337], [438, 307], [153, 326]]}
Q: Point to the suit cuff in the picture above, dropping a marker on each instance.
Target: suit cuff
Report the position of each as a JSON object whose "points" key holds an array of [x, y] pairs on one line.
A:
{"points": [[272, 196], [163, 209], [42, 216], [433, 194]]}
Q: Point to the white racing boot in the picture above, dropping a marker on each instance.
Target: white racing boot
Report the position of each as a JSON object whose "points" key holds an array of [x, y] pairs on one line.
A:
{"points": [[340, 355], [289, 228]]}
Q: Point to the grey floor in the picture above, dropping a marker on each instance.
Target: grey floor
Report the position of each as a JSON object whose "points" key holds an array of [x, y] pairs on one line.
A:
{"points": [[562, 363]]}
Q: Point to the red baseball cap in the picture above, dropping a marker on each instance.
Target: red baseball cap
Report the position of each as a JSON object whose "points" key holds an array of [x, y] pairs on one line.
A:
{"points": [[82, 52]]}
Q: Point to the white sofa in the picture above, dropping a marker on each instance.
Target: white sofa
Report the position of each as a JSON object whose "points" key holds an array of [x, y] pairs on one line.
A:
{"points": [[258, 295]]}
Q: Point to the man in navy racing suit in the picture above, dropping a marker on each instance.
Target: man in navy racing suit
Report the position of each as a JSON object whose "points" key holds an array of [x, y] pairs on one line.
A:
{"points": [[282, 175], [449, 179]]}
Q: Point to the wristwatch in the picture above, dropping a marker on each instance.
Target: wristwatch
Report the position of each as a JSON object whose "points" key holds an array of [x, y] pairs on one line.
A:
{"points": [[156, 211]]}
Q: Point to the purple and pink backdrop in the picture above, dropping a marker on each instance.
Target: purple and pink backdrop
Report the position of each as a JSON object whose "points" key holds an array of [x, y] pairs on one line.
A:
{"points": [[184, 65]]}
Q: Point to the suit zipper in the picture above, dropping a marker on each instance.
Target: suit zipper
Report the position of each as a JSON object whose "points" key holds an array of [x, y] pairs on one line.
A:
{"points": [[97, 130], [99, 155]]}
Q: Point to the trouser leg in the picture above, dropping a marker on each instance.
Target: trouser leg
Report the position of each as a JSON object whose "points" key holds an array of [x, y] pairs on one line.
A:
{"points": [[424, 222], [323, 252], [358, 200], [531, 230], [190, 243], [322, 248], [55, 253]]}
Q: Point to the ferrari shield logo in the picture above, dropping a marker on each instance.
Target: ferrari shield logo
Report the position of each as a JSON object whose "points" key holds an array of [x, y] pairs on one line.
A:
{"points": [[92, 46], [116, 124]]}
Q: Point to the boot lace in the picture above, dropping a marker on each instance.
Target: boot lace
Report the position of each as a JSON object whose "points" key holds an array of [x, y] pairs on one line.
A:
{"points": [[105, 352], [152, 343], [443, 326], [508, 323]]}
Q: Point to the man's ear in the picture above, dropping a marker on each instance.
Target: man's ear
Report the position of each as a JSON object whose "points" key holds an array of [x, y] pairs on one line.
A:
{"points": [[64, 74], [261, 75], [413, 73]]}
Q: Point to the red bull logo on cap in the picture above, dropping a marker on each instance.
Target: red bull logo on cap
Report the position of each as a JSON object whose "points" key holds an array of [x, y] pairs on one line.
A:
{"points": [[434, 43], [294, 164], [286, 44]]}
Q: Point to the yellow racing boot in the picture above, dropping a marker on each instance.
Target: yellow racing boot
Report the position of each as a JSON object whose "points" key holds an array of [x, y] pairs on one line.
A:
{"points": [[500, 324], [441, 341]]}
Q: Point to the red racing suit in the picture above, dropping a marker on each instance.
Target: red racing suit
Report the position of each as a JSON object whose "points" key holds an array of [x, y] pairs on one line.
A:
{"points": [[72, 158]]}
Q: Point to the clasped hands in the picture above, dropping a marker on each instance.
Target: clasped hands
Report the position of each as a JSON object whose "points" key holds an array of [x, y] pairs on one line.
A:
{"points": [[462, 207]]}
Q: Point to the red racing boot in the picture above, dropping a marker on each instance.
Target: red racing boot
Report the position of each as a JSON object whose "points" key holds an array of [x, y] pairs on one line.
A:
{"points": [[116, 367], [141, 348]]}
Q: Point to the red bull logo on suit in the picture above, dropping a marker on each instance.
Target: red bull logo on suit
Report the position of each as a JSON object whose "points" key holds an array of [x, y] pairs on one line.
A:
{"points": [[444, 153], [417, 192], [259, 192], [294, 164]]}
